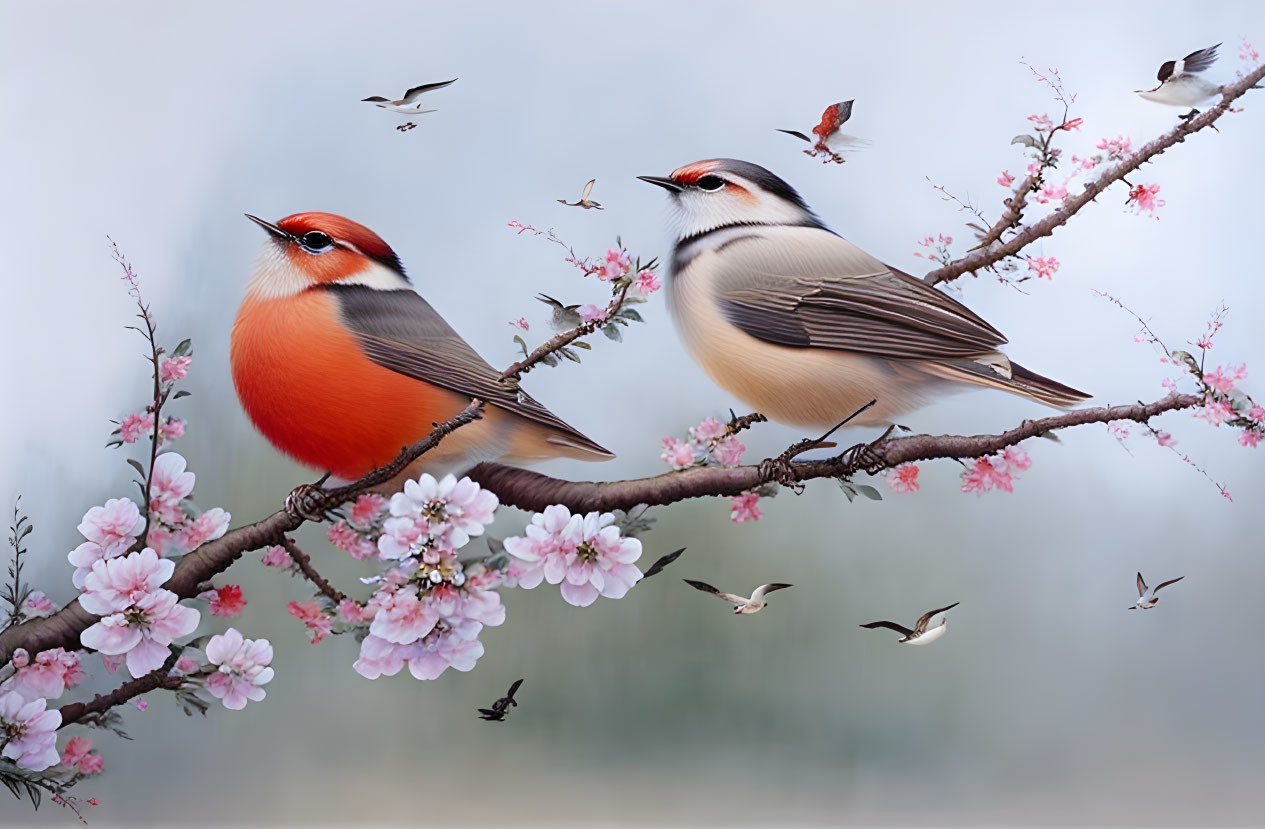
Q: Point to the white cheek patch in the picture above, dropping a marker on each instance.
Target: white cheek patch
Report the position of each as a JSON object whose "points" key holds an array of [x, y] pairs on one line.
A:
{"points": [[697, 211], [377, 276], [274, 276]]}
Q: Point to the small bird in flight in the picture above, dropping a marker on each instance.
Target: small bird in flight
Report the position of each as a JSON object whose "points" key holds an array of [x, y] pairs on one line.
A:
{"points": [[831, 143], [501, 707], [662, 562], [1181, 85], [742, 606], [585, 201], [924, 633], [1147, 597], [409, 104]]}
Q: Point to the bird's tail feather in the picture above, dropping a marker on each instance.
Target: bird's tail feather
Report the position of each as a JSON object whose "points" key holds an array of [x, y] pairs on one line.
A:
{"points": [[1021, 381]]}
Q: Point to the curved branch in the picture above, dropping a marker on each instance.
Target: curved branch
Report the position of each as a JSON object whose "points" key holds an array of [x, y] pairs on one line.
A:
{"points": [[991, 255], [304, 563], [533, 491], [72, 712]]}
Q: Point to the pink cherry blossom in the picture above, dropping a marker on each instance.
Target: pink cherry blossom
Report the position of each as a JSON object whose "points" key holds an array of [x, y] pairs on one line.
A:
{"points": [[48, 676], [1118, 429], [1164, 439], [1083, 164], [118, 583], [141, 705], [29, 731], [1041, 123], [709, 429], [1257, 413], [75, 756], [1117, 148], [403, 618], [242, 668], [225, 601], [206, 527], [367, 509], [342, 536], [92, 801], [136, 427], [110, 531], [1014, 459], [984, 474], [1250, 437], [1073, 124], [677, 454], [1215, 412], [318, 622], [1034, 168], [171, 429], [440, 651], [379, 657], [585, 554], [170, 484], [1223, 380], [1005, 179], [446, 511], [37, 604], [186, 665], [647, 283], [745, 507], [353, 612], [728, 451], [112, 663], [276, 556], [903, 478], [521, 323], [591, 313], [144, 631], [1144, 197], [1051, 193], [176, 368], [617, 264], [1044, 266]]}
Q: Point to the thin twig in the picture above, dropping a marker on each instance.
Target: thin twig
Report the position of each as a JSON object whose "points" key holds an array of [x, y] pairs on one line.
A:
{"points": [[304, 562]]}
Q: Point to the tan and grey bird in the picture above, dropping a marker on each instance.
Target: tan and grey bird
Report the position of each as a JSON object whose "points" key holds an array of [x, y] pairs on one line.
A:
{"points": [[742, 605], [930, 626], [806, 327], [410, 103], [1182, 85], [1146, 595], [585, 201]]}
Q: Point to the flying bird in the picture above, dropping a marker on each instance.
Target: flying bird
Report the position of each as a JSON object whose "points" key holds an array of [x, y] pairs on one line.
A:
{"points": [[1146, 596], [830, 142], [1181, 83], [924, 632], [409, 104], [501, 707], [742, 606], [806, 327], [339, 363], [585, 201], [662, 562]]}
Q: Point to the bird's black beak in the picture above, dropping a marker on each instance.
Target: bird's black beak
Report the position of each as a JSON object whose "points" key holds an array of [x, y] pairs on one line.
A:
{"points": [[273, 230], [666, 183]]}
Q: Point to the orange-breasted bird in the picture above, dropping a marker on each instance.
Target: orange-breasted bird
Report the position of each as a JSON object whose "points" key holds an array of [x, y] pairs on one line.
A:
{"points": [[340, 364]]}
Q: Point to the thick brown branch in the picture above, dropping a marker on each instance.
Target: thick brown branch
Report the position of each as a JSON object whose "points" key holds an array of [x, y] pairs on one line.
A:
{"points": [[152, 681], [994, 253], [532, 491], [304, 562]]}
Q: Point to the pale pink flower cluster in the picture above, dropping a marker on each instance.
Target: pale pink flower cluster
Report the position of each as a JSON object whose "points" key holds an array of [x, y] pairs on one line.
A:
{"points": [[431, 516], [903, 478], [37, 604], [745, 507], [1215, 411], [1250, 438], [1051, 192], [1118, 429], [520, 323], [1041, 123], [591, 313], [76, 757], [48, 676], [28, 731], [710, 439], [1247, 52], [318, 623], [995, 471], [1118, 148], [343, 536], [1044, 266], [170, 429], [647, 283], [176, 368], [1145, 197], [276, 556], [617, 264], [1223, 379], [242, 668], [111, 530], [136, 427], [225, 601], [584, 553], [171, 528], [939, 244], [1164, 438], [1005, 179], [140, 618]]}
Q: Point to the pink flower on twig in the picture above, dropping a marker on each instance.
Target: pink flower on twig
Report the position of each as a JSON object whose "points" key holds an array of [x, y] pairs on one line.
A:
{"points": [[903, 478], [745, 507]]}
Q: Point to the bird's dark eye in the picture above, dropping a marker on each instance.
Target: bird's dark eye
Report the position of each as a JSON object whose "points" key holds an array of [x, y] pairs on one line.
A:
{"points": [[314, 240], [711, 183]]}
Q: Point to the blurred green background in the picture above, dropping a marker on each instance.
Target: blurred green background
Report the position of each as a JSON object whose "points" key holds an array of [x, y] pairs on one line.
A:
{"points": [[1047, 702]]}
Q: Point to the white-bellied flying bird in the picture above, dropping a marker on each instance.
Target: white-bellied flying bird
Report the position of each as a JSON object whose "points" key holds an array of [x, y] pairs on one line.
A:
{"points": [[742, 605], [929, 627], [409, 104], [806, 327], [1182, 85], [1146, 595], [585, 201], [829, 141]]}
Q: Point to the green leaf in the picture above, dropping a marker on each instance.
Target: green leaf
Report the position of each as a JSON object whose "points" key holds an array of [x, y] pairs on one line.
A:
{"points": [[1026, 140], [183, 348], [135, 464], [869, 492], [582, 344], [570, 355], [180, 394], [612, 333], [113, 443], [631, 314], [848, 490]]}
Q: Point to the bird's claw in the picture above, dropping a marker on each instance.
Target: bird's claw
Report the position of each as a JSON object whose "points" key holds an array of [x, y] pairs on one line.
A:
{"points": [[306, 501]]}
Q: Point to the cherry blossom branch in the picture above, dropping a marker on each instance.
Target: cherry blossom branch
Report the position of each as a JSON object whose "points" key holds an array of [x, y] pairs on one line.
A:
{"points": [[533, 491], [73, 712], [565, 338], [304, 562], [996, 250]]}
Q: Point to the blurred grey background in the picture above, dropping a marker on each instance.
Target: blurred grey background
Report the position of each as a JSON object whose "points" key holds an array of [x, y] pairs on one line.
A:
{"points": [[161, 123]]}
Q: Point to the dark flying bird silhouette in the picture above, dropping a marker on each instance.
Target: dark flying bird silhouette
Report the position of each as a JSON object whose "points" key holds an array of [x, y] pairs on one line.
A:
{"points": [[501, 707]]}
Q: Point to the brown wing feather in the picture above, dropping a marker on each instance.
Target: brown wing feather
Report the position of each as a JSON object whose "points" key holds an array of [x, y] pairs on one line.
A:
{"points": [[401, 331], [901, 629], [921, 627], [831, 294]]}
